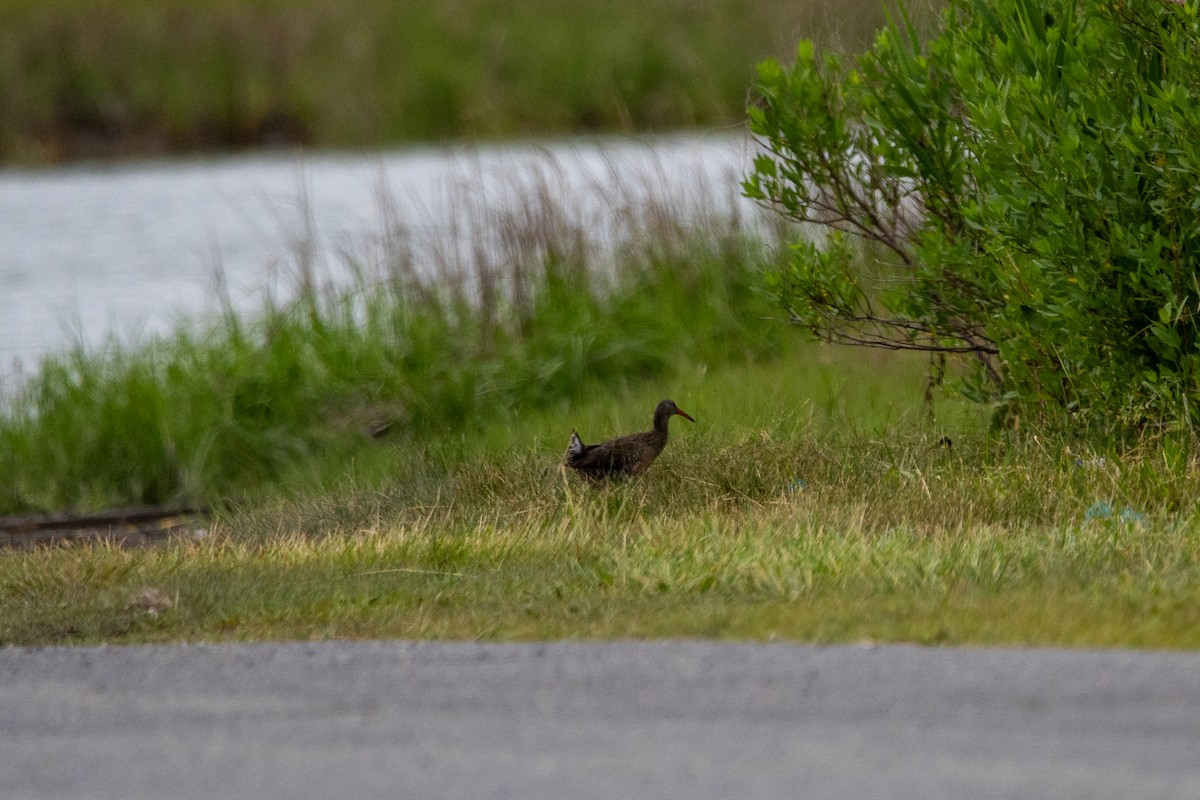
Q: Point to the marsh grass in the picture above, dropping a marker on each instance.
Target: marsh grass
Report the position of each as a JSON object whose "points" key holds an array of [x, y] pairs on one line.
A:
{"points": [[83, 79], [529, 307]]}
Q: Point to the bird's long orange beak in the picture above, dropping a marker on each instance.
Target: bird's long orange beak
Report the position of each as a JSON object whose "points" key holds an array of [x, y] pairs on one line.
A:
{"points": [[684, 414]]}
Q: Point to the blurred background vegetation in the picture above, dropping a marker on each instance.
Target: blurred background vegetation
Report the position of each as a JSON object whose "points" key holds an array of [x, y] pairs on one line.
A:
{"points": [[125, 77]]}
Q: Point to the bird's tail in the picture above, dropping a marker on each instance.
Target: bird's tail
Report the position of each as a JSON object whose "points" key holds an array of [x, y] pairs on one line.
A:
{"points": [[576, 447]]}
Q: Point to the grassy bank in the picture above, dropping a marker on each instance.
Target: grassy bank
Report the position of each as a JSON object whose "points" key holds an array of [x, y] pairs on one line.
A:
{"points": [[815, 499], [807, 503], [384, 460], [537, 310], [127, 76]]}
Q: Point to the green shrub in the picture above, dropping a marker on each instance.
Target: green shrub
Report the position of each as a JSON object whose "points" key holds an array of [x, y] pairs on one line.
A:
{"points": [[1024, 183]]}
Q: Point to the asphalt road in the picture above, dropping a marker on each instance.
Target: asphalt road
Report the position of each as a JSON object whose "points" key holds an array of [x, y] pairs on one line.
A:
{"points": [[624, 720]]}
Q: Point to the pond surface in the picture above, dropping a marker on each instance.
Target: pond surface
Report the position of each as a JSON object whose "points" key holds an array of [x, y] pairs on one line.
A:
{"points": [[126, 251]]}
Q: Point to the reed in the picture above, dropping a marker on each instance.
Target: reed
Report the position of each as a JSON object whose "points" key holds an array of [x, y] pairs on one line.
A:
{"points": [[127, 76]]}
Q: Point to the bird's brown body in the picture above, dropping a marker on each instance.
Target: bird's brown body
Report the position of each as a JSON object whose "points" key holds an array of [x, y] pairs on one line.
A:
{"points": [[625, 455]]}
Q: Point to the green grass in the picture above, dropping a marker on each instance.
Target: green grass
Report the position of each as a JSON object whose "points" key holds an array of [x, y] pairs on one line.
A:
{"points": [[413, 354], [128, 76], [811, 501]]}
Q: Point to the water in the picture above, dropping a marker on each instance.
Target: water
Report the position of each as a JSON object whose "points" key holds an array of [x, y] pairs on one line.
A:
{"points": [[93, 252]]}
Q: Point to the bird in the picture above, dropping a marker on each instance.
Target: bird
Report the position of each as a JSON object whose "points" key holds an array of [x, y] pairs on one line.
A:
{"points": [[625, 455]]}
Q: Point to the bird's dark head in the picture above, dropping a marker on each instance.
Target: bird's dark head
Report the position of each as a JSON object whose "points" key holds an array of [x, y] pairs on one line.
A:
{"points": [[667, 409]]}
